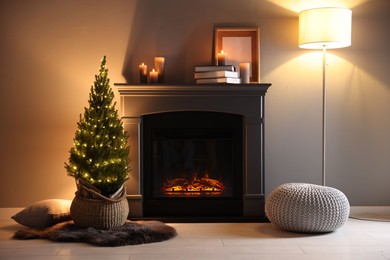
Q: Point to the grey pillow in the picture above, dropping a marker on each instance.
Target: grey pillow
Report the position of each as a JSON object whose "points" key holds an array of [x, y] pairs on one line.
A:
{"points": [[44, 213]]}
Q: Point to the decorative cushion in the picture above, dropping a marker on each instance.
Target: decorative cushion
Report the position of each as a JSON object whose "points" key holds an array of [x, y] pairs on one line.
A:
{"points": [[44, 213], [307, 208]]}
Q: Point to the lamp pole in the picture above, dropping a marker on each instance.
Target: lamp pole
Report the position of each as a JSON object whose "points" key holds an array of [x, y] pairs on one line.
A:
{"points": [[323, 113]]}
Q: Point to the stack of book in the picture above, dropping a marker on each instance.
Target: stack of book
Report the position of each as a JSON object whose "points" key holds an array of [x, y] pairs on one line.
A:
{"points": [[216, 74]]}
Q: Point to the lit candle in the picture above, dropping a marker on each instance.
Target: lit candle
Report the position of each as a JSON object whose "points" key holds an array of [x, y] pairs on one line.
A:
{"points": [[159, 65], [143, 73], [153, 76], [244, 72], [221, 58]]}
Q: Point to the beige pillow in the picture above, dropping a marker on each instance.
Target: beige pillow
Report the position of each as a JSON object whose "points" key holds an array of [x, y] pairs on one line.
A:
{"points": [[44, 213]]}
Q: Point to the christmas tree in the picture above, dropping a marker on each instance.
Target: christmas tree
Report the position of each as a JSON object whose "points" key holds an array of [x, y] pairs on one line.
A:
{"points": [[100, 154]]}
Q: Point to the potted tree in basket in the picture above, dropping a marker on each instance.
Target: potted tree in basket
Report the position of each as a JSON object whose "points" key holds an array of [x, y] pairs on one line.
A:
{"points": [[99, 160]]}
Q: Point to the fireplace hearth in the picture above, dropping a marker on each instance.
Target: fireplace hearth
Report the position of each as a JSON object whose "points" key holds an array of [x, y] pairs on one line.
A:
{"points": [[197, 152]]}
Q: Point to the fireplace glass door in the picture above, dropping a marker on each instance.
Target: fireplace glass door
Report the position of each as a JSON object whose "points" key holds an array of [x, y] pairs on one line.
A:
{"points": [[192, 164]]}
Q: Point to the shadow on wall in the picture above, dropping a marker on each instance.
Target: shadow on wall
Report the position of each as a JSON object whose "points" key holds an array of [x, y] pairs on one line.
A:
{"points": [[369, 40], [182, 32]]}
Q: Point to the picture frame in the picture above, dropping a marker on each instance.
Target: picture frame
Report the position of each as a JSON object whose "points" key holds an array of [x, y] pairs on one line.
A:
{"points": [[240, 45]]}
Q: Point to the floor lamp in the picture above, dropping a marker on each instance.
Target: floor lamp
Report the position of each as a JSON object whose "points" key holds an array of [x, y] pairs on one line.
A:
{"points": [[325, 28]]}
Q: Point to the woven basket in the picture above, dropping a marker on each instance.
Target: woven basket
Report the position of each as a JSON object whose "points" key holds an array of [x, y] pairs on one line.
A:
{"points": [[89, 208]]}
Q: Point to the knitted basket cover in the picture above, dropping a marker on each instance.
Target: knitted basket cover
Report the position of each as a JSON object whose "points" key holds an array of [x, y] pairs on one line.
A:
{"points": [[307, 208]]}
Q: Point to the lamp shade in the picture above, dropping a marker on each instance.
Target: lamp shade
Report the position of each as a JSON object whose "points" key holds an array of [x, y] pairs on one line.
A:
{"points": [[325, 27]]}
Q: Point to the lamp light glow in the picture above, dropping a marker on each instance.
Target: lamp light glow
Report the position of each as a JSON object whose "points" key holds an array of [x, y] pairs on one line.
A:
{"points": [[328, 27]]}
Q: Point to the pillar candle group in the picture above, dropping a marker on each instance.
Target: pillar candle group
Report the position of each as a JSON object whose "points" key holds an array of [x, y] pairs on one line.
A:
{"points": [[156, 75], [222, 60]]}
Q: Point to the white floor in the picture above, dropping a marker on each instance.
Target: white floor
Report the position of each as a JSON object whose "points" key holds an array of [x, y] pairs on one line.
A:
{"points": [[357, 239]]}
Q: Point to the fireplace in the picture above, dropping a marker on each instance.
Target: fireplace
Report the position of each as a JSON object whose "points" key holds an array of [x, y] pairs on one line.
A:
{"points": [[197, 152]]}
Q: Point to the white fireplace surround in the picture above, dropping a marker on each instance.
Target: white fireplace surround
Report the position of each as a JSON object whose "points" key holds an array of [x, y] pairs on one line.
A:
{"points": [[245, 100]]}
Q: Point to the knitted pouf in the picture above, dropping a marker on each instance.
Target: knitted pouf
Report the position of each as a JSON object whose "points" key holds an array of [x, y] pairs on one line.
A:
{"points": [[307, 208]]}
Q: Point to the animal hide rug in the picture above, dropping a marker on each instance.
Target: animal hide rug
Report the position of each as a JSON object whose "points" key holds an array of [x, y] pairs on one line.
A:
{"points": [[131, 233]]}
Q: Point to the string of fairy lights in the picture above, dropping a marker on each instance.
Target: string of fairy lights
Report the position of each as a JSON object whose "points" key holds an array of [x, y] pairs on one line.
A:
{"points": [[100, 152]]}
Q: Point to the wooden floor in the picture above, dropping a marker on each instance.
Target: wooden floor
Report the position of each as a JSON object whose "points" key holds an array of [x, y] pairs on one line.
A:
{"points": [[357, 239]]}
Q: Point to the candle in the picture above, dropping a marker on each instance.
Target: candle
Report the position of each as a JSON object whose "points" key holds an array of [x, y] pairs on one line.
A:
{"points": [[143, 73], [159, 65], [221, 58], [244, 72], [153, 76]]}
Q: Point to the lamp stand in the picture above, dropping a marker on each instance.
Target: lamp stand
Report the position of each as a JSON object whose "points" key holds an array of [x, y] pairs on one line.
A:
{"points": [[323, 113], [324, 28]]}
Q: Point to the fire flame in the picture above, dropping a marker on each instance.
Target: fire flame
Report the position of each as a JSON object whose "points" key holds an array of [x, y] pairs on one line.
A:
{"points": [[195, 184]]}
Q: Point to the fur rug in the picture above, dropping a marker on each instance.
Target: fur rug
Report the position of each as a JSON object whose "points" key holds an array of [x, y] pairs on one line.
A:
{"points": [[131, 233]]}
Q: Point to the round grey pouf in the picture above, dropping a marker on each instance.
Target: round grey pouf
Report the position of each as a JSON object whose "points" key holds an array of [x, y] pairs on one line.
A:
{"points": [[307, 208]]}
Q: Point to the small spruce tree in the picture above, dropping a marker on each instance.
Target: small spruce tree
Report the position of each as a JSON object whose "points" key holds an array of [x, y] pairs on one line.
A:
{"points": [[100, 154]]}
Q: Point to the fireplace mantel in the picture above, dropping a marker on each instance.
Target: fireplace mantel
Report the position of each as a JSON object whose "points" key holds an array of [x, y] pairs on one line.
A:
{"points": [[197, 90], [246, 100]]}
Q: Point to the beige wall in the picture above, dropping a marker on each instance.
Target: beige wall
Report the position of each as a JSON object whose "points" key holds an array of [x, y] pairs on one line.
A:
{"points": [[50, 52]]}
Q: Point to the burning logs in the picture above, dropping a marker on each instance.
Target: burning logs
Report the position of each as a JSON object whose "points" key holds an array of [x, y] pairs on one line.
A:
{"points": [[204, 184]]}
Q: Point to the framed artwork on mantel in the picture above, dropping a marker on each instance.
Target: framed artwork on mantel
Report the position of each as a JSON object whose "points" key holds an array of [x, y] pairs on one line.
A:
{"points": [[240, 45]]}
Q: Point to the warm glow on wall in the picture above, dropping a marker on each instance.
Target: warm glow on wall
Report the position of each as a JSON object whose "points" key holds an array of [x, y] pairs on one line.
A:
{"points": [[325, 27], [299, 5]]}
